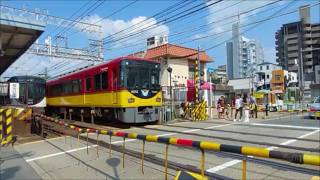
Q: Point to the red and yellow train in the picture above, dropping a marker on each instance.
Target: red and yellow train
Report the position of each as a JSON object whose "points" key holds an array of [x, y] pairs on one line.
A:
{"points": [[127, 89]]}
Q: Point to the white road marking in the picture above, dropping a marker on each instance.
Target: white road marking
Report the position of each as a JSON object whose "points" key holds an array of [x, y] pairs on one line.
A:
{"points": [[191, 130], [223, 125], [278, 125], [59, 153], [223, 166], [34, 142], [115, 142], [233, 162]]}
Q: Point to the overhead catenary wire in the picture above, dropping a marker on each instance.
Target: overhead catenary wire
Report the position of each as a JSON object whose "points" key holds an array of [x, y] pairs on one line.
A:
{"points": [[167, 11], [175, 5], [257, 24], [89, 10], [166, 21], [195, 29], [244, 25], [119, 42], [108, 16]]}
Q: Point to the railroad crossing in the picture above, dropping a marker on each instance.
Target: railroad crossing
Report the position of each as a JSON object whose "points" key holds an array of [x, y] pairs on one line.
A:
{"points": [[66, 157]]}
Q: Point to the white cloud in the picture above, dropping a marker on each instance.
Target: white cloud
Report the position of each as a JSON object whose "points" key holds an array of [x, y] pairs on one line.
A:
{"points": [[110, 27], [230, 9]]}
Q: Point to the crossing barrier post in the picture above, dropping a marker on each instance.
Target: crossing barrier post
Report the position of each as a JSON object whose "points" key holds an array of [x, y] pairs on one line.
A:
{"points": [[92, 116], [244, 169], [142, 156], [110, 146], [65, 115], [70, 114], [1, 130], [87, 142], [123, 149], [202, 162], [81, 114], [78, 142], [166, 162], [97, 144]]}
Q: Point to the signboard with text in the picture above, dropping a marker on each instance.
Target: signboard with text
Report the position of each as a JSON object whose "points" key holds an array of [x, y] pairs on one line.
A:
{"points": [[14, 90]]}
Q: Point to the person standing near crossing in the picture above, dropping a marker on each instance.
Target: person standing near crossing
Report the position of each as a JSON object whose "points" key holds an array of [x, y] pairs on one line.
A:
{"points": [[239, 108]]}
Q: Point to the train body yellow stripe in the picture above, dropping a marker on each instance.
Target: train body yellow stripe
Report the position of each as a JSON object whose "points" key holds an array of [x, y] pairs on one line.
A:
{"points": [[261, 152], [311, 159], [104, 99]]}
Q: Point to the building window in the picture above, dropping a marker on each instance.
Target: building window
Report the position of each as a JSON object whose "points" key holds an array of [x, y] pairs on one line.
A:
{"points": [[277, 77], [319, 72], [268, 76], [260, 68], [267, 67]]}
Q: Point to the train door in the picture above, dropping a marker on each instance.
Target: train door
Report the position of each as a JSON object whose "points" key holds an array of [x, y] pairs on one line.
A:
{"points": [[114, 85]]}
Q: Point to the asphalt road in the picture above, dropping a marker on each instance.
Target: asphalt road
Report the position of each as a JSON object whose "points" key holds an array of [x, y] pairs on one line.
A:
{"points": [[64, 158]]}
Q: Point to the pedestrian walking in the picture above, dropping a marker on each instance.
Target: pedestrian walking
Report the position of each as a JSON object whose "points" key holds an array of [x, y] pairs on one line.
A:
{"points": [[239, 108], [228, 111], [246, 104], [220, 107]]}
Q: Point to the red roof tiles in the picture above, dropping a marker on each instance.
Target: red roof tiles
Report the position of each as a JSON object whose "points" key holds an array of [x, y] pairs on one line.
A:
{"points": [[172, 50]]}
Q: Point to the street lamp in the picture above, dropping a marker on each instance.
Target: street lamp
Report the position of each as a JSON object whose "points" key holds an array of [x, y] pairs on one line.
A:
{"points": [[169, 69]]}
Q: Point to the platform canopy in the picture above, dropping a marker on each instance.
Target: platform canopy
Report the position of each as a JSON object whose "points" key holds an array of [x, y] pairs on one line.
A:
{"points": [[16, 35]]}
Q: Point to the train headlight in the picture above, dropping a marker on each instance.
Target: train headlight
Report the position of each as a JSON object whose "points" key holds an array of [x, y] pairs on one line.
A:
{"points": [[158, 99], [131, 100]]}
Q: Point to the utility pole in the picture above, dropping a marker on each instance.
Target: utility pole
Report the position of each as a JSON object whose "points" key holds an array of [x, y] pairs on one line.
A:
{"points": [[301, 75], [199, 69]]}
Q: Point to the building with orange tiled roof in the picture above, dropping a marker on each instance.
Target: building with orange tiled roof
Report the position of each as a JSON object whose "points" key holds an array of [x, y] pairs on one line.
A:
{"points": [[180, 59]]}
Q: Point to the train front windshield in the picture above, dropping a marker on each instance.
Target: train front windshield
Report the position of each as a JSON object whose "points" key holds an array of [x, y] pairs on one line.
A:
{"points": [[136, 75]]}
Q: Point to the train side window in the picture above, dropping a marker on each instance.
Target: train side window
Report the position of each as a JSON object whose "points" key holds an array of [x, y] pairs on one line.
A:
{"points": [[104, 80], [75, 86], [97, 82], [88, 83]]}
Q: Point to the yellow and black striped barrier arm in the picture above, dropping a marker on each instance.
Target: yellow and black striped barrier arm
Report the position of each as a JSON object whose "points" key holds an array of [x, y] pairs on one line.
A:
{"points": [[299, 158], [22, 114], [1, 120], [7, 115]]}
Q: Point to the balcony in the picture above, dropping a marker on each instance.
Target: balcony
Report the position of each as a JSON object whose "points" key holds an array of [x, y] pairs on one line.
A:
{"points": [[292, 55], [308, 56], [308, 42], [295, 35], [308, 63], [307, 35], [315, 35], [293, 48], [293, 68], [292, 41]]}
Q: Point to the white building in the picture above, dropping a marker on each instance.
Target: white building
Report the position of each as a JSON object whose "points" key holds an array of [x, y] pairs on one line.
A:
{"points": [[264, 74], [243, 55]]}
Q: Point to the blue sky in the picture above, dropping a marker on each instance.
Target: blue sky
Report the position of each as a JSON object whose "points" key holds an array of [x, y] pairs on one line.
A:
{"points": [[142, 9]]}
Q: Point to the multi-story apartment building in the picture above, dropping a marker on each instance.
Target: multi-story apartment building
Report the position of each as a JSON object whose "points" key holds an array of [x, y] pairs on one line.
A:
{"points": [[298, 49], [243, 55]]}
